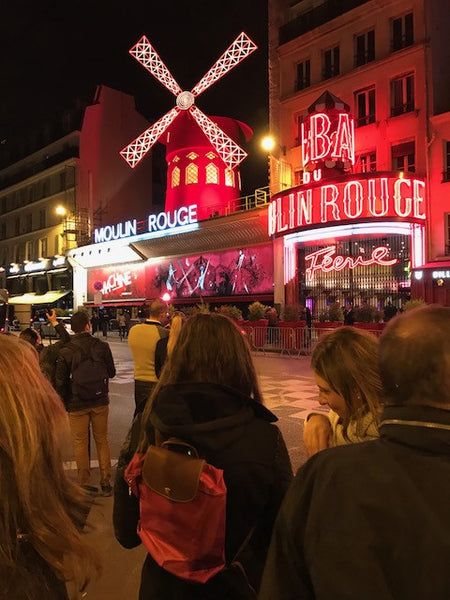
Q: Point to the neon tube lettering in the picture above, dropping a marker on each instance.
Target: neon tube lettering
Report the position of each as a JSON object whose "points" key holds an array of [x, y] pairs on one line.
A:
{"points": [[356, 201], [326, 201], [398, 198], [325, 260]]}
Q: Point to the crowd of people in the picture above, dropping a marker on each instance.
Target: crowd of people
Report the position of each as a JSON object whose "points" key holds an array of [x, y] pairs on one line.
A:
{"points": [[366, 516]]}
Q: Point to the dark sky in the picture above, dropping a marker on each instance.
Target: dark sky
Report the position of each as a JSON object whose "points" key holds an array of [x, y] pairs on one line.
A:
{"points": [[53, 51]]}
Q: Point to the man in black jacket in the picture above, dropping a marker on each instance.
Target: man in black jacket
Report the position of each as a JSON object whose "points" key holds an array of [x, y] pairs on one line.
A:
{"points": [[372, 520], [86, 399]]}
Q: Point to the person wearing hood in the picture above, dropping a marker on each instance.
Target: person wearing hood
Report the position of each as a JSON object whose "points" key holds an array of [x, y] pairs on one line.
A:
{"points": [[209, 396]]}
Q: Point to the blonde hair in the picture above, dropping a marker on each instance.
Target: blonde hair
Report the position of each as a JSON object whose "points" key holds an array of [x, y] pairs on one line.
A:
{"points": [[347, 359], [41, 510], [175, 327]]}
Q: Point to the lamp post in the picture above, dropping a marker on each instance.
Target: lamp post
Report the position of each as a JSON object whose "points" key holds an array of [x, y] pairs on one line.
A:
{"points": [[276, 165]]}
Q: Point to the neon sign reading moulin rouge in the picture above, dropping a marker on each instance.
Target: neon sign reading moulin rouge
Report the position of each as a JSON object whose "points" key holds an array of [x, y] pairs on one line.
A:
{"points": [[346, 200], [160, 222], [325, 260]]}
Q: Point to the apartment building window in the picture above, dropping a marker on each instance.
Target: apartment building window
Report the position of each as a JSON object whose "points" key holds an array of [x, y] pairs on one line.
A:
{"points": [[446, 173], [404, 157], [331, 61], [402, 94], [303, 75], [43, 245], [42, 219], [365, 106], [368, 162], [45, 188], [28, 223], [3, 230], [17, 226], [402, 32], [21, 252], [62, 181], [365, 48]]}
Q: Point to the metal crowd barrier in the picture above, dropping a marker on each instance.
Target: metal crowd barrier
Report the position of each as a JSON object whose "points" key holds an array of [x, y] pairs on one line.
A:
{"points": [[291, 341]]}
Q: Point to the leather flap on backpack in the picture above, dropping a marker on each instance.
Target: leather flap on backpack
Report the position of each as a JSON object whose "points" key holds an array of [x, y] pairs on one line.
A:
{"points": [[171, 474]]}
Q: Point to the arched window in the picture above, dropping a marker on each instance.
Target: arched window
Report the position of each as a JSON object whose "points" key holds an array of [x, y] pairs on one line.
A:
{"points": [[191, 174], [176, 177], [212, 173], [229, 177]]}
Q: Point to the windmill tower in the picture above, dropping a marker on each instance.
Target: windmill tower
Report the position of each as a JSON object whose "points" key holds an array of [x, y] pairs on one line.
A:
{"points": [[202, 153]]}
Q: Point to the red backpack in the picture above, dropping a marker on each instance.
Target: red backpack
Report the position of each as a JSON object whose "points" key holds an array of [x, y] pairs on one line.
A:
{"points": [[182, 501]]}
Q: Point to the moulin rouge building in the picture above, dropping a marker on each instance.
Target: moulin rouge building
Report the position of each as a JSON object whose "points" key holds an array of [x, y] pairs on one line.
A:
{"points": [[360, 205]]}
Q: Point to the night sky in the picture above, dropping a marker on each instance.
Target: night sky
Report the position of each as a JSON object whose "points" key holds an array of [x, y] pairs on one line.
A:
{"points": [[53, 52]]}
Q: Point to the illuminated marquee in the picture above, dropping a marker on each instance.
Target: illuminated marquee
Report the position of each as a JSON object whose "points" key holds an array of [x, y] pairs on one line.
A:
{"points": [[160, 222], [327, 139], [348, 199], [325, 260]]}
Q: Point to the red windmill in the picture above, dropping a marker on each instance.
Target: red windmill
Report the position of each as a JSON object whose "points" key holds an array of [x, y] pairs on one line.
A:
{"points": [[226, 148]]}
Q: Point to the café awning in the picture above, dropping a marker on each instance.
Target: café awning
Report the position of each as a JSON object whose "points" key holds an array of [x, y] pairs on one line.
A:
{"points": [[33, 298]]}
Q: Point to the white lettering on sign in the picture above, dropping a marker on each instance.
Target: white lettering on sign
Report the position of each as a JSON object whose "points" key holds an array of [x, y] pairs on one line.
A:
{"points": [[116, 281], [170, 220], [441, 275], [353, 199], [325, 260], [186, 215], [115, 232]]}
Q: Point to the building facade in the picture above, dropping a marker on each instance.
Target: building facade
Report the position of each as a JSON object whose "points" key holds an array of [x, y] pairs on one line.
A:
{"points": [[386, 62], [53, 196]]}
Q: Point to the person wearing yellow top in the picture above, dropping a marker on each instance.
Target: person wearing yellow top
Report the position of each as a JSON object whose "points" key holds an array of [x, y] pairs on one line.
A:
{"points": [[345, 365], [142, 341]]}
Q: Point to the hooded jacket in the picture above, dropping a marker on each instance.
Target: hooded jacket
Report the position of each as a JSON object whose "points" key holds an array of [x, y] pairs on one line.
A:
{"points": [[236, 434]]}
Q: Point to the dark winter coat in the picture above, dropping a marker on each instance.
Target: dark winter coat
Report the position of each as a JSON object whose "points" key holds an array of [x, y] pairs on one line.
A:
{"points": [[369, 521], [49, 355], [85, 342], [235, 433]]}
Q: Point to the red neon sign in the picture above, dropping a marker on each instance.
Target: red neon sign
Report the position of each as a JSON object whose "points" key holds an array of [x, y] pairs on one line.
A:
{"points": [[350, 199], [326, 139], [325, 260]]}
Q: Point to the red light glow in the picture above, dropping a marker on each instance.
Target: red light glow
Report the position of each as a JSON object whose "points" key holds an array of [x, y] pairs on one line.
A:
{"points": [[325, 139], [227, 149], [325, 260], [349, 199]]}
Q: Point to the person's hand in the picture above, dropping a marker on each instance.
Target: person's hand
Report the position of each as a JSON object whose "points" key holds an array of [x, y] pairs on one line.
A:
{"points": [[51, 316], [317, 434]]}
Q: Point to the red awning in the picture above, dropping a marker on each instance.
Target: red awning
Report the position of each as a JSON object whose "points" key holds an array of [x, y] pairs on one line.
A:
{"points": [[443, 264], [116, 303]]}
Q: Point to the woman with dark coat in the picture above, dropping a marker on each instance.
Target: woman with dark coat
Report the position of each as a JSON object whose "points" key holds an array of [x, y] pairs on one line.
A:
{"points": [[209, 396]]}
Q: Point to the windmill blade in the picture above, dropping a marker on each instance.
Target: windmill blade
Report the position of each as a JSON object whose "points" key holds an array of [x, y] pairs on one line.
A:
{"points": [[135, 152], [239, 49], [145, 54], [231, 154]]}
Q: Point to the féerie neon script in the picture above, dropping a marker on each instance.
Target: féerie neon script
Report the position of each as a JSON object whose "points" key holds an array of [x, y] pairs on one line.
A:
{"points": [[326, 261]]}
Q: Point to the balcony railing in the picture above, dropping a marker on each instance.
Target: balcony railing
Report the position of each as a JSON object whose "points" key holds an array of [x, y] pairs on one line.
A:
{"points": [[317, 16]]}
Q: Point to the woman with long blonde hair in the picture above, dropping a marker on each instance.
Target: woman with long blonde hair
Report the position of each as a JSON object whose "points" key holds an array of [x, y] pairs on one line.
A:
{"points": [[345, 366], [41, 511]]}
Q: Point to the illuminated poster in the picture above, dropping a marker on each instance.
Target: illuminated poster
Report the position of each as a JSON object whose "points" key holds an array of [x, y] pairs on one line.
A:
{"points": [[119, 282], [241, 272]]}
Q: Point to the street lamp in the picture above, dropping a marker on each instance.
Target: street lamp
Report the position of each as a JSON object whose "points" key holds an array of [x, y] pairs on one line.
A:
{"points": [[279, 169]]}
